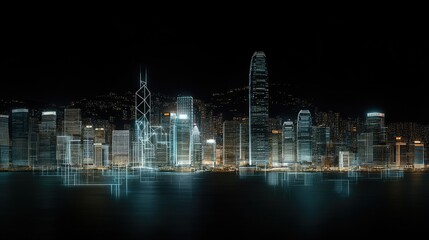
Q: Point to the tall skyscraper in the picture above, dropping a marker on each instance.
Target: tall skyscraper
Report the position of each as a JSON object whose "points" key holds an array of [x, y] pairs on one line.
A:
{"points": [[196, 152], [120, 147], [88, 145], [258, 110], [182, 141], [73, 129], [4, 141], [288, 144], [48, 139], [375, 124], [418, 154], [185, 105], [20, 137], [303, 137]]}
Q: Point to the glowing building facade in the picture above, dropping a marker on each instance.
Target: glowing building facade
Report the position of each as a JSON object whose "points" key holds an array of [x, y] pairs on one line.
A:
{"points": [[303, 137], [4, 141], [48, 139], [20, 137], [288, 143], [120, 147], [258, 110]]}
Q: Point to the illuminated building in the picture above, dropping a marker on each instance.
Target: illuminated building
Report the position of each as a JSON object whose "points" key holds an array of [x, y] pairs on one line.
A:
{"points": [[345, 159], [88, 145], [196, 151], [258, 110], [63, 150], [276, 148], [120, 147], [288, 144], [400, 153], [99, 135], [375, 124], [48, 139], [144, 149], [160, 143], [231, 143], [418, 154], [182, 141], [20, 137], [4, 141], [303, 137], [73, 128], [101, 155], [185, 106], [209, 153], [364, 149], [321, 136]]}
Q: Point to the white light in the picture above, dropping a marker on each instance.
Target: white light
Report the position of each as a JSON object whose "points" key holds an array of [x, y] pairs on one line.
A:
{"points": [[375, 114], [4, 116], [88, 126], [20, 110], [183, 116], [211, 141], [49, 113]]}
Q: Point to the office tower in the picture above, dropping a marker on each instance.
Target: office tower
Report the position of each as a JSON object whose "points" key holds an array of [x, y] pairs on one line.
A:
{"points": [[63, 150], [185, 106], [400, 153], [375, 124], [365, 149], [258, 109], [4, 142], [120, 147], [345, 159], [276, 159], [303, 137], [167, 124], [244, 142], [182, 141], [231, 143], [101, 155], [73, 128], [160, 142], [418, 154], [209, 153], [288, 144], [321, 137], [88, 145], [20, 137], [73, 123], [196, 152], [48, 139], [33, 136], [99, 135], [143, 106]]}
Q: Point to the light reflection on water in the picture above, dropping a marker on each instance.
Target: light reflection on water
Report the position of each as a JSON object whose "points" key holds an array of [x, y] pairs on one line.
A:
{"points": [[194, 205]]}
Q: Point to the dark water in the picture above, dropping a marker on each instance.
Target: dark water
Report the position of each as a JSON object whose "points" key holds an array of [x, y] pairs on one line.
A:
{"points": [[216, 206]]}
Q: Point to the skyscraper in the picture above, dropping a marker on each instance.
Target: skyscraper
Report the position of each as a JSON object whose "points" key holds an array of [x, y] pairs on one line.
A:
{"points": [[182, 141], [303, 137], [88, 145], [4, 141], [288, 144], [258, 110], [196, 152], [20, 137], [375, 124], [185, 105], [48, 139], [120, 147]]}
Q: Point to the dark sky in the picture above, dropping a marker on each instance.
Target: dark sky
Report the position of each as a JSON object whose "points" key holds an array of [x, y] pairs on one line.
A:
{"points": [[346, 66]]}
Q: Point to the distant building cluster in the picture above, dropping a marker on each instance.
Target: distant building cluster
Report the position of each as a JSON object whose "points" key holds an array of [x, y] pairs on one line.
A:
{"points": [[160, 132]]}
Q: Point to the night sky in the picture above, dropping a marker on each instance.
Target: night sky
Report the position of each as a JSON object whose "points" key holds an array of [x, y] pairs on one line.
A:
{"points": [[344, 66]]}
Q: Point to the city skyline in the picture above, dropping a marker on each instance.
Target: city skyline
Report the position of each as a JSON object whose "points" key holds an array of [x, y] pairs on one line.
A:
{"points": [[344, 67]]}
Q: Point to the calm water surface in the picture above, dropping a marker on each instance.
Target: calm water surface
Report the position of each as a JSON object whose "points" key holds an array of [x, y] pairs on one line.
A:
{"points": [[214, 205]]}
